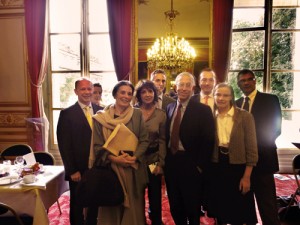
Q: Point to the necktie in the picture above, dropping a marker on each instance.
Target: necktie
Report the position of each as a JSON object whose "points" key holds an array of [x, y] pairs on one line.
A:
{"points": [[246, 104], [88, 115], [206, 100], [175, 130]]}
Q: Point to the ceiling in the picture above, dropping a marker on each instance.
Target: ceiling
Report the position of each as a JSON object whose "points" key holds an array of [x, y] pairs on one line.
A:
{"points": [[193, 21]]}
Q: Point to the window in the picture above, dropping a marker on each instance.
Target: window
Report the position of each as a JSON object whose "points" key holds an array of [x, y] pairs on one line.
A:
{"points": [[266, 39], [79, 47]]}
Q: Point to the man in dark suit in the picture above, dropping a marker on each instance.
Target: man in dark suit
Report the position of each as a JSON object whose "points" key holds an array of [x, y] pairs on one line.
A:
{"points": [[190, 141], [266, 111], [74, 139], [159, 78]]}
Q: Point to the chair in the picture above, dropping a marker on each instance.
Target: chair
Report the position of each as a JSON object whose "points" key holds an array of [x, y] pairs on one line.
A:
{"points": [[296, 172], [13, 219], [15, 150], [46, 158]]}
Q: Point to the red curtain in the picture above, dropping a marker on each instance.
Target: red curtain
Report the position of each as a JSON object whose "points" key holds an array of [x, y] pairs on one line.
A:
{"points": [[35, 12], [119, 19], [221, 37]]}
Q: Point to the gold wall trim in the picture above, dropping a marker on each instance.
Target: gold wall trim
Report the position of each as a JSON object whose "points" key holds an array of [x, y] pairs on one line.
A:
{"points": [[12, 133], [13, 119], [8, 4]]}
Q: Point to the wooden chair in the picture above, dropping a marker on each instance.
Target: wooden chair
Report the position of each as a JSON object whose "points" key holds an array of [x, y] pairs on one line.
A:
{"points": [[13, 218], [15, 150], [46, 158]]}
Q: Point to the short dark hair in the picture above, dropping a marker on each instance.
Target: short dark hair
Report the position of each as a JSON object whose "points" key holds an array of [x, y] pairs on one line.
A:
{"points": [[207, 69], [97, 85], [156, 72], [243, 72], [81, 79], [148, 85], [122, 83]]}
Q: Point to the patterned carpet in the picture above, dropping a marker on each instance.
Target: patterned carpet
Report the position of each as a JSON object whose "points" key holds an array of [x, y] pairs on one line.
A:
{"points": [[285, 185]]}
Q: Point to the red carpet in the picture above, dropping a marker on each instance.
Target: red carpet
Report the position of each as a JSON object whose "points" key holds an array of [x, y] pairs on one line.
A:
{"points": [[285, 185]]}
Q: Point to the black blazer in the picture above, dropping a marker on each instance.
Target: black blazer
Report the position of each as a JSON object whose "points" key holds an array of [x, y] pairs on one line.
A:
{"points": [[267, 115], [197, 132], [74, 139], [166, 100]]}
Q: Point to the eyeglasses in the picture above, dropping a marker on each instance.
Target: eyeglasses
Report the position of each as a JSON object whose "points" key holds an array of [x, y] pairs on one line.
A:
{"points": [[247, 80], [187, 85]]}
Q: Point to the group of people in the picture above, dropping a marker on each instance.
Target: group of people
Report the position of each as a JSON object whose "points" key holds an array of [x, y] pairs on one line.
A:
{"points": [[214, 152]]}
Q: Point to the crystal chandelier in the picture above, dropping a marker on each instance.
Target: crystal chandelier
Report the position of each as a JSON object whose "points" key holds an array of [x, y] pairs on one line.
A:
{"points": [[171, 52]]}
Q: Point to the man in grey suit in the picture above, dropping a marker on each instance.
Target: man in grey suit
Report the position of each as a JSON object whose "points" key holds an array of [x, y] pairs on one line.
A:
{"points": [[159, 78], [266, 111], [74, 139]]}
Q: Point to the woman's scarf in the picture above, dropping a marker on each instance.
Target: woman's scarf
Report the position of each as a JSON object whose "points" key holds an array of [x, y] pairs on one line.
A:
{"points": [[108, 120]]}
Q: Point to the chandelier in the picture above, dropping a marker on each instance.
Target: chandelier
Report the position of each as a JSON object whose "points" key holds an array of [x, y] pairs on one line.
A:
{"points": [[171, 52]]}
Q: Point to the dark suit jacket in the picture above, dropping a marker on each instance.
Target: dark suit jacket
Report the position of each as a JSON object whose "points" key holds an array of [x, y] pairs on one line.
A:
{"points": [[74, 138], [166, 100], [197, 132], [267, 115]]}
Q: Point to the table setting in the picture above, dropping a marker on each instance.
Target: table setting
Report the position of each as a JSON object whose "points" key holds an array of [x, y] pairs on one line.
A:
{"points": [[31, 188], [26, 172]]}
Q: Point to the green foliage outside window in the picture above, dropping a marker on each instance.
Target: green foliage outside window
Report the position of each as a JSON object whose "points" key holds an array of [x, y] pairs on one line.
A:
{"points": [[248, 50]]}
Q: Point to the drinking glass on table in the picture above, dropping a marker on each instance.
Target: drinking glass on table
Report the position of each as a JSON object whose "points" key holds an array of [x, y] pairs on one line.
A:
{"points": [[19, 162], [6, 164]]}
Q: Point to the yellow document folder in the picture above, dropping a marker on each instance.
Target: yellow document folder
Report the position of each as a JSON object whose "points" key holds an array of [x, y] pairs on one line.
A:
{"points": [[121, 139]]}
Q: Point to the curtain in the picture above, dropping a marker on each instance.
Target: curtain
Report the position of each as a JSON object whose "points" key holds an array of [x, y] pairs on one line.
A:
{"points": [[119, 19], [221, 37], [35, 20]]}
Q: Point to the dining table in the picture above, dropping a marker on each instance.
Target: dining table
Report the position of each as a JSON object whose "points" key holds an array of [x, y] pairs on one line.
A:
{"points": [[36, 198]]}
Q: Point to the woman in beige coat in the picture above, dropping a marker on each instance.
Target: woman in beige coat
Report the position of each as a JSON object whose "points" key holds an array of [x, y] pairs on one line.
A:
{"points": [[131, 169]]}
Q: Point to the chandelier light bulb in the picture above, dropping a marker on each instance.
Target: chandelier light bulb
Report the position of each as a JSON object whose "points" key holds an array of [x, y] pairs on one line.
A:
{"points": [[171, 52]]}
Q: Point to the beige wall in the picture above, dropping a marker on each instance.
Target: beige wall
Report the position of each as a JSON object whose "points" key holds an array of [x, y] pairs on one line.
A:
{"points": [[14, 83]]}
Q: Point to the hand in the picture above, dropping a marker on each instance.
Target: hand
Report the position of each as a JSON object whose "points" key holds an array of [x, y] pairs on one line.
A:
{"points": [[128, 156], [245, 185], [124, 159], [76, 177]]}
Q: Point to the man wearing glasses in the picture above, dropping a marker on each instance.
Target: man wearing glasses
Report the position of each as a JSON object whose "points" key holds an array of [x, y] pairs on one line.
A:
{"points": [[266, 111], [190, 134]]}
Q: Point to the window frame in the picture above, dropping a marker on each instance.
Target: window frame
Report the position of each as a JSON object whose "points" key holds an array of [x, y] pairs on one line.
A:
{"points": [[267, 56], [85, 70]]}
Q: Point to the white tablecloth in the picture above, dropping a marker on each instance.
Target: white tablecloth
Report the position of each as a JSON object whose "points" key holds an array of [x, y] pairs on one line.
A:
{"points": [[35, 199]]}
